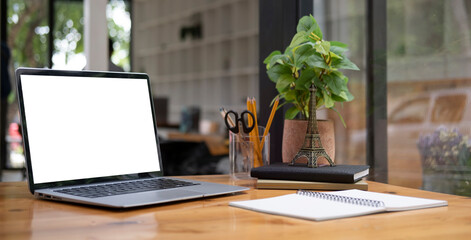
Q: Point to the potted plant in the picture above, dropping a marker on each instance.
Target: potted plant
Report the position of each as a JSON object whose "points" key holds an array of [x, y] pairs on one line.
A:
{"points": [[446, 161], [310, 62]]}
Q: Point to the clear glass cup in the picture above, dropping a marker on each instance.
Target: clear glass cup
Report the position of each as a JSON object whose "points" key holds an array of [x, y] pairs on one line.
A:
{"points": [[248, 151]]}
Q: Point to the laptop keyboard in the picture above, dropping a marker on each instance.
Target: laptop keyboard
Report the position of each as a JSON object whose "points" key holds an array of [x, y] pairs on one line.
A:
{"points": [[125, 187]]}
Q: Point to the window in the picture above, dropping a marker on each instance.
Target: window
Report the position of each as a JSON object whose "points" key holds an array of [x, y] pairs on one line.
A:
{"points": [[49, 33], [68, 52], [28, 29], [427, 49], [29, 22], [119, 26]]}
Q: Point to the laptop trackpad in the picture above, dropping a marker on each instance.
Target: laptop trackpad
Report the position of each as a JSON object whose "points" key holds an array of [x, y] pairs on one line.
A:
{"points": [[145, 198], [177, 194]]}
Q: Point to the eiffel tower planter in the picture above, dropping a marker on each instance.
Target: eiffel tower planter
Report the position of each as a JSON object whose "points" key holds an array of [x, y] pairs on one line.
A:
{"points": [[312, 148]]}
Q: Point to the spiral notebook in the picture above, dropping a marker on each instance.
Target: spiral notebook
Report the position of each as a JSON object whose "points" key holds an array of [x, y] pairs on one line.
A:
{"points": [[321, 206]]}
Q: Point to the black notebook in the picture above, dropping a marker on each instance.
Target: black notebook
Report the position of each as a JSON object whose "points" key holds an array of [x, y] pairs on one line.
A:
{"points": [[336, 174]]}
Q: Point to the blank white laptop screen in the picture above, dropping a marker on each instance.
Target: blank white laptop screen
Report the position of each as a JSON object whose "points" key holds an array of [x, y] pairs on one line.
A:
{"points": [[86, 127]]}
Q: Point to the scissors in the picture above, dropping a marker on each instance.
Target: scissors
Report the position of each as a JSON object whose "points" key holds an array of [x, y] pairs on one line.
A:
{"points": [[239, 122]]}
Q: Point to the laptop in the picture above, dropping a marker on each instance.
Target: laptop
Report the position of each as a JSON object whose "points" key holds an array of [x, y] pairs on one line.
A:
{"points": [[91, 138]]}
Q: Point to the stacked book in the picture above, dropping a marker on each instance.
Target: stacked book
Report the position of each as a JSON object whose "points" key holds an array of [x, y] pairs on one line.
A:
{"points": [[283, 176]]}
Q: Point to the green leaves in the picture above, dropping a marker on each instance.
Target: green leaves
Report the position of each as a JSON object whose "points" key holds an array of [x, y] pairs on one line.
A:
{"points": [[344, 63], [338, 47], [305, 79], [268, 59], [300, 53], [316, 61], [328, 101], [281, 75], [337, 86], [310, 60], [299, 38], [304, 24], [323, 47], [291, 113], [309, 24]]}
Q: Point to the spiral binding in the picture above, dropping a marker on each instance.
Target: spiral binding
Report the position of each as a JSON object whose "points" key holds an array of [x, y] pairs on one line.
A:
{"points": [[343, 199]]}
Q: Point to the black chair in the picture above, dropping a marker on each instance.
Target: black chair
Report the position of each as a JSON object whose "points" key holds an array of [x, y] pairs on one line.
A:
{"points": [[188, 158]]}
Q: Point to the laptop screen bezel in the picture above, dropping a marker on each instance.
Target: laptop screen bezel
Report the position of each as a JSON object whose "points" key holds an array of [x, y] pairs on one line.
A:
{"points": [[67, 73]]}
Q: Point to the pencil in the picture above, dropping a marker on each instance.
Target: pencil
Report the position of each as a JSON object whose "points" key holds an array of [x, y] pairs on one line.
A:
{"points": [[272, 114], [258, 148], [249, 119], [252, 134], [223, 113], [254, 108]]}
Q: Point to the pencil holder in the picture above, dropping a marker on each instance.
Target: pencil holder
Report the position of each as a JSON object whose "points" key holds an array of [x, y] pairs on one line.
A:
{"points": [[247, 151]]}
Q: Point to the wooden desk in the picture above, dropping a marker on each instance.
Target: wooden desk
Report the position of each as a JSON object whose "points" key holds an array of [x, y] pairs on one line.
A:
{"points": [[22, 217]]}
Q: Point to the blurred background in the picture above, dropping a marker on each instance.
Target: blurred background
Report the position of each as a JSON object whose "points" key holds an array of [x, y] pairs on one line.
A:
{"points": [[205, 54]]}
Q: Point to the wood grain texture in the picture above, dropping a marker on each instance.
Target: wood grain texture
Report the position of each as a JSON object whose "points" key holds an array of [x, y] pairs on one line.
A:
{"points": [[23, 217]]}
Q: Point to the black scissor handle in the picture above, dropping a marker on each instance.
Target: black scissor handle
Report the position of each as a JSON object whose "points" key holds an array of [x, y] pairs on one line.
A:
{"points": [[232, 126], [243, 116], [241, 120]]}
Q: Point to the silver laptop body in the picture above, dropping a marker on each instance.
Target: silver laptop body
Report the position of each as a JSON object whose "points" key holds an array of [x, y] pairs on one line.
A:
{"points": [[87, 128]]}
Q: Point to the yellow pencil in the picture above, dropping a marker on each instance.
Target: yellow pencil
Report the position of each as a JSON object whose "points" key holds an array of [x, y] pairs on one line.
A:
{"points": [[258, 147], [254, 108], [249, 108], [252, 134], [272, 114]]}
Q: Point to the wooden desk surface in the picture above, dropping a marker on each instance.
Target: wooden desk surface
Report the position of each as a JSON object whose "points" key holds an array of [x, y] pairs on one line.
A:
{"points": [[23, 217]]}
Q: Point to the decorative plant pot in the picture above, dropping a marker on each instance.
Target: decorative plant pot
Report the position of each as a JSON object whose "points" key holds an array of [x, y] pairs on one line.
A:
{"points": [[294, 133]]}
